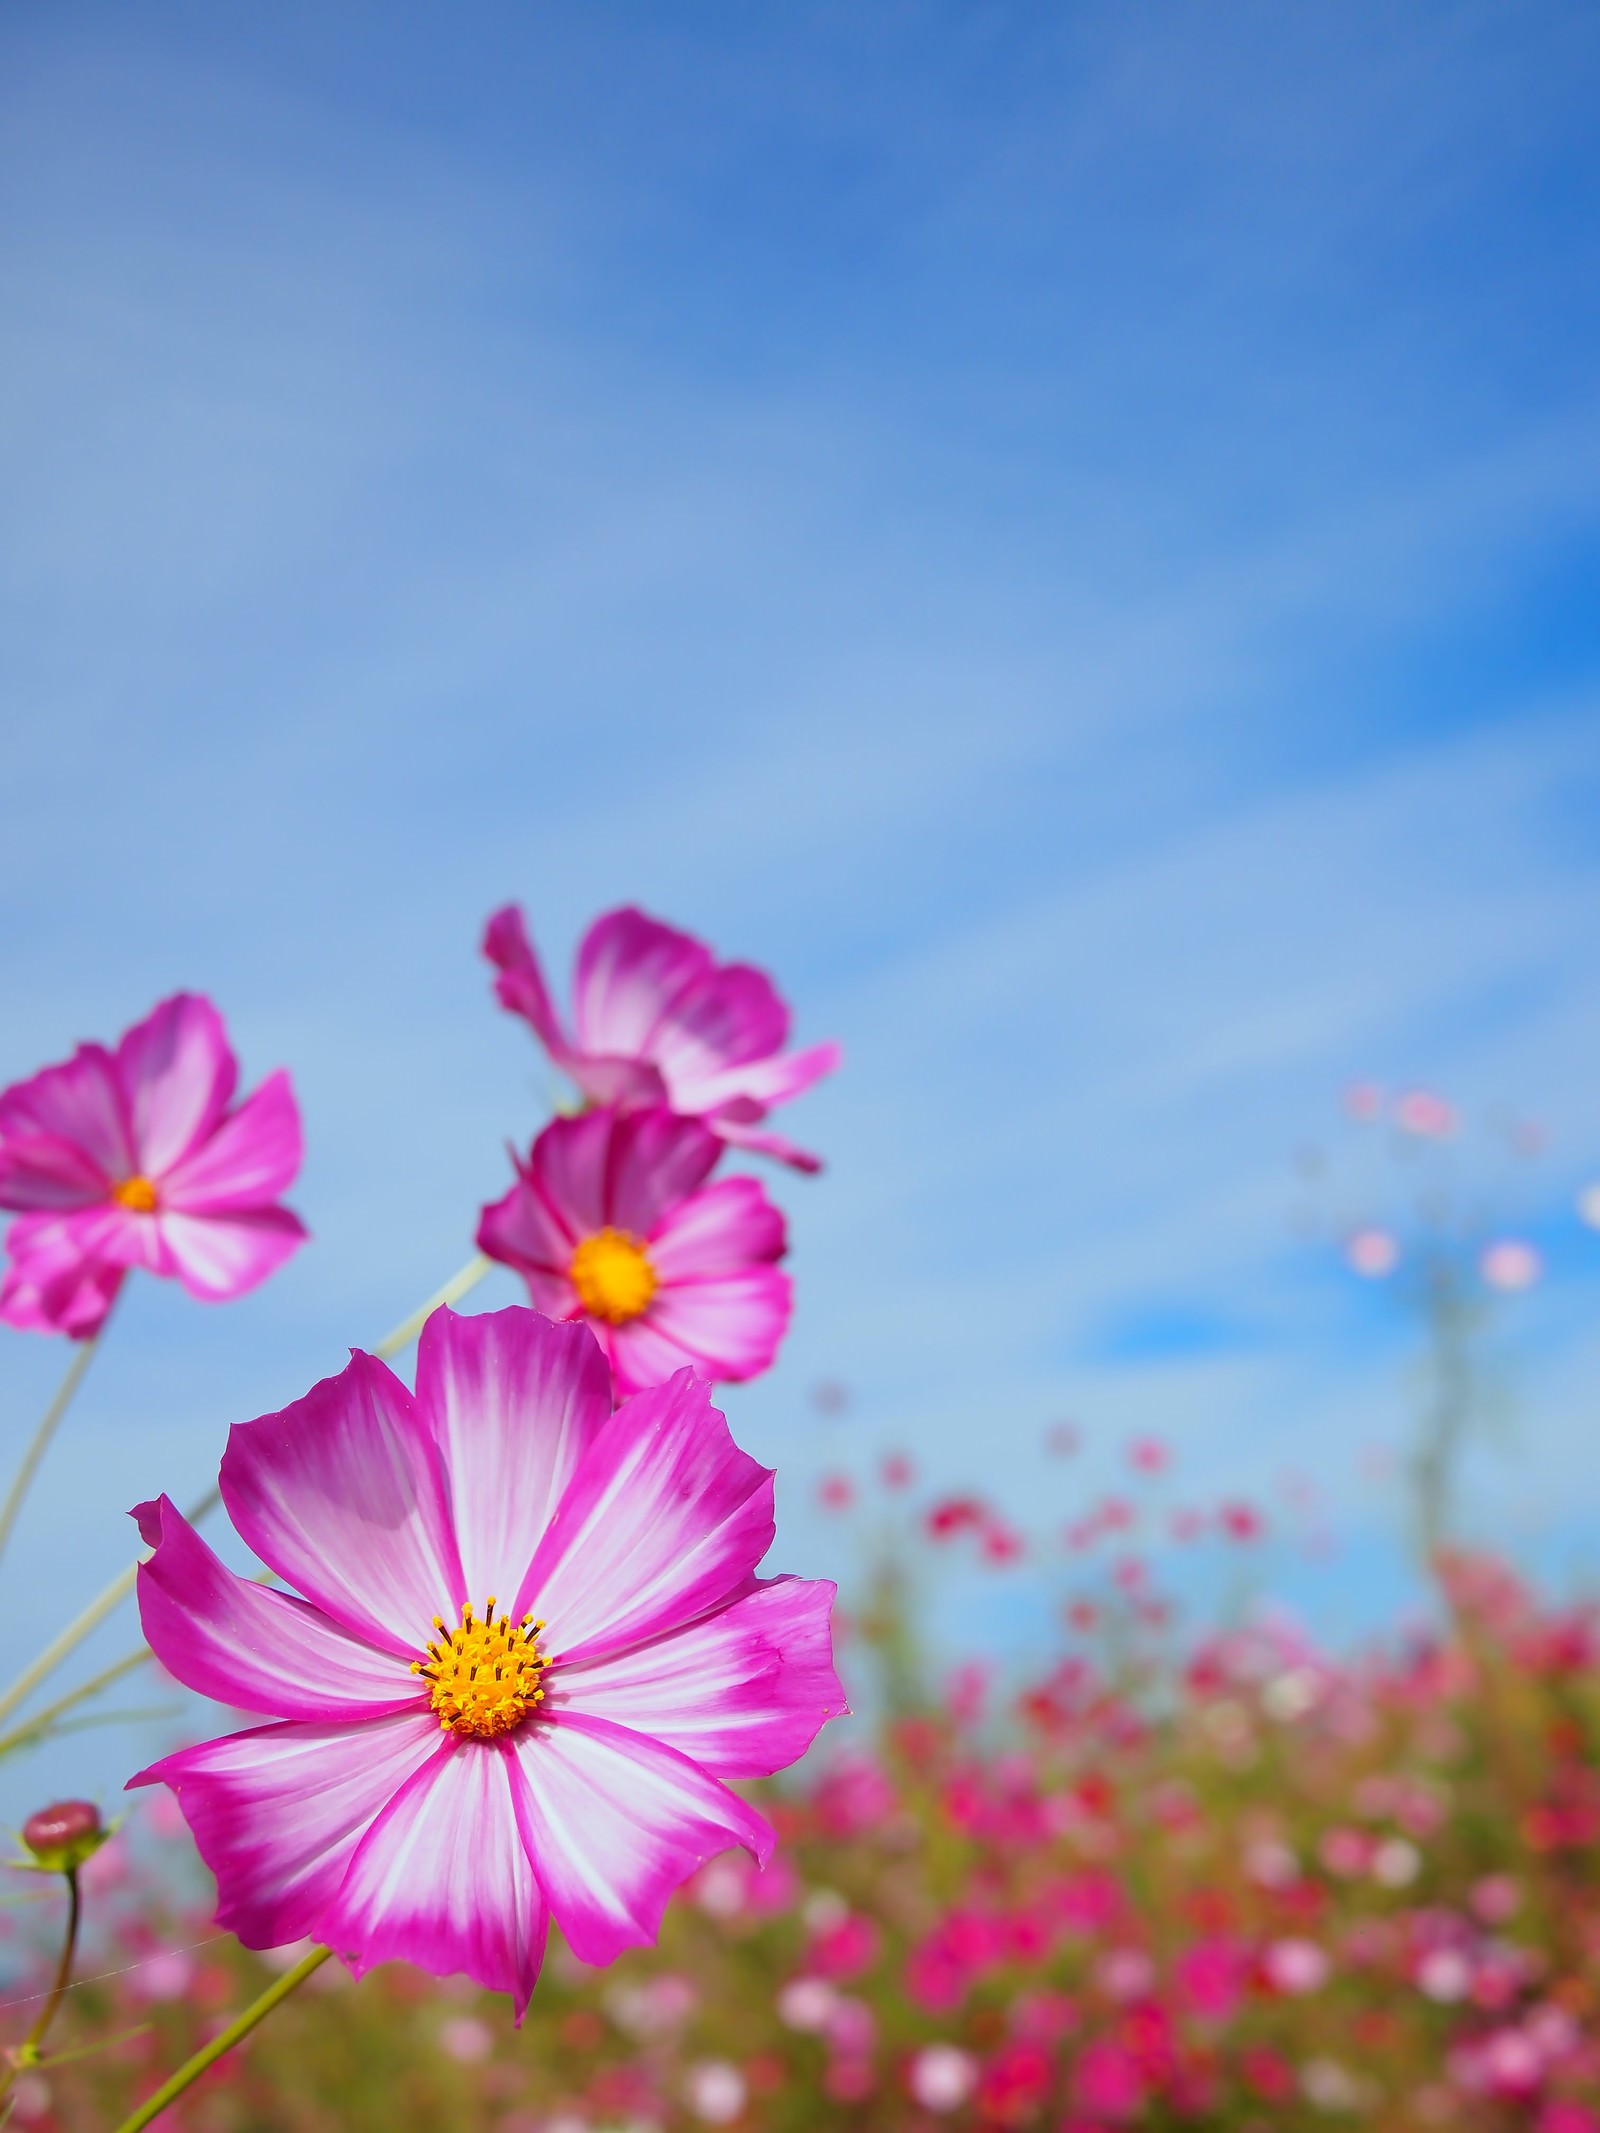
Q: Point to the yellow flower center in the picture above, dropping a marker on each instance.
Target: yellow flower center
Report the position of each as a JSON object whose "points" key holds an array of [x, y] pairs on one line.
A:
{"points": [[138, 1194], [612, 1274], [483, 1678]]}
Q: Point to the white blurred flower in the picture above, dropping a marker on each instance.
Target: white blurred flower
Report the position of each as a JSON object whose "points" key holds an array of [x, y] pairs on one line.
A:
{"points": [[824, 1909], [1396, 1864], [1445, 1975], [941, 2077], [715, 2091], [1589, 1205], [1296, 1965], [1291, 1695], [1328, 2085], [719, 1889], [1421, 1112], [807, 2004], [465, 2039]]}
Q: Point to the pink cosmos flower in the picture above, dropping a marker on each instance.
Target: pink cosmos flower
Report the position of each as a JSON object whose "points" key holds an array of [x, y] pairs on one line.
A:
{"points": [[531, 1648], [611, 1220], [660, 1020], [132, 1158]]}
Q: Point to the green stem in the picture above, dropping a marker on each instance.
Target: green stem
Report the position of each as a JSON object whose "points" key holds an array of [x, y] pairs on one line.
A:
{"points": [[454, 1289], [208, 2054], [49, 1422], [27, 2052], [68, 1639], [43, 1720]]}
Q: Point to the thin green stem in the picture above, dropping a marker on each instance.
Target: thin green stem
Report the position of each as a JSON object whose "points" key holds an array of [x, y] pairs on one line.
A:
{"points": [[208, 2054], [454, 1289], [43, 1720], [27, 2053], [49, 1423], [68, 1639]]}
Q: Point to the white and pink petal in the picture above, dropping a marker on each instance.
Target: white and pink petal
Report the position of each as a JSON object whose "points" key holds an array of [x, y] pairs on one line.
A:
{"points": [[443, 1878], [254, 1154], [664, 1518], [732, 1326], [238, 1641], [615, 1822], [226, 1254], [742, 1692], [344, 1495], [513, 1401], [278, 1812], [177, 1073]]}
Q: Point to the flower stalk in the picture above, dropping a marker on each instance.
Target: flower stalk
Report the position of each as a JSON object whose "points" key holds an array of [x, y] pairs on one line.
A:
{"points": [[49, 1423], [208, 2054]]}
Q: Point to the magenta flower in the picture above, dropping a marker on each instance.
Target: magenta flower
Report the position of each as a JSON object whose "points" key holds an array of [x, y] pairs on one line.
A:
{"points": [[132, 1158], [611, 1220], [531, 1648], [660, 1020]]}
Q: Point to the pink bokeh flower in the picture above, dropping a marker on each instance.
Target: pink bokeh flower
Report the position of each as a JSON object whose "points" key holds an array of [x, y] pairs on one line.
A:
{"points": [[658, 1019], [611, 1219], [133, 1158], [408, 1802]]}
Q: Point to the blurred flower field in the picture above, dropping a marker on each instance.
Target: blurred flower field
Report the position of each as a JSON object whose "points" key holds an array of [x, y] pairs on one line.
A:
{"points": [[1252, 1888]]}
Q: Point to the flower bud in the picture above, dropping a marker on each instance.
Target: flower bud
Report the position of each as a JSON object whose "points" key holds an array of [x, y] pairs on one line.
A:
{"points": [[63, 1835]]}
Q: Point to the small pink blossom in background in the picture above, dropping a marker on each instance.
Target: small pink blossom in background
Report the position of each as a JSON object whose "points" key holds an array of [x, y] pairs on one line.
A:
{"points": [[1495, 1898], [1363, 1100], [896, 1471], [1130, 1573], [852, 2028], [1210, 1977], [836, 1492], [443, 1817], [1063, 1439], [1510, 1266], [953, 1515], [659, 1021], [1562, 2115], [134, 1158], [941, 2077], [167, 1976], [1186, 1525], [1346, 1852], [1082, 1615], [845, 1950], [1423, 1113], [1148, 1455], [715, 2091], [1109, 2081], [1001, 1543], [1125, 1973], [1241, 1521], [1295, 1966], [854, 1795], [611, 1220], [466, 2040], [1372, 1253]]}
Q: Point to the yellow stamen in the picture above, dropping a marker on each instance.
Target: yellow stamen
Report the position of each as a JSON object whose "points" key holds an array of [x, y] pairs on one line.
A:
{"points": [[483, 1678], [137, 1194], [612, 1274]]}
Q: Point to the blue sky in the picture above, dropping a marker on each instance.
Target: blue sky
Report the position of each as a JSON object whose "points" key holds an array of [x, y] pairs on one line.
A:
{"points": [[1069, 533]]}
